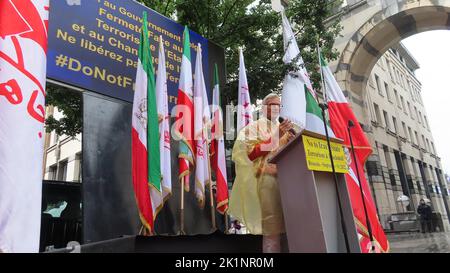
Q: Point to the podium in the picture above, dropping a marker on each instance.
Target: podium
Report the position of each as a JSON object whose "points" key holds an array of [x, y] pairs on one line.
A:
{"points": [[310, 203]]}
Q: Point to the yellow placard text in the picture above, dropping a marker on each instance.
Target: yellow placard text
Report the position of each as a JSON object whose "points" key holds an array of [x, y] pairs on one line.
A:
{"points": [[318, 155]]}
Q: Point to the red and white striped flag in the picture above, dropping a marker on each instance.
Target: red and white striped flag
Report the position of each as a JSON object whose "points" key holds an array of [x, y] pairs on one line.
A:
{"points": [[244, 111], [340, 113], [23, 58], [218, 162], [184, 123]]}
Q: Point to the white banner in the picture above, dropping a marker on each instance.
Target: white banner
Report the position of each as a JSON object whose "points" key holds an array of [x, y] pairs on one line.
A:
{"points": [[23, 46]]}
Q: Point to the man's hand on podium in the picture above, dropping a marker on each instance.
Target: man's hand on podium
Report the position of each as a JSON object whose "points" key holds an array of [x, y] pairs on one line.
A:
{"points": [[286, 127]]}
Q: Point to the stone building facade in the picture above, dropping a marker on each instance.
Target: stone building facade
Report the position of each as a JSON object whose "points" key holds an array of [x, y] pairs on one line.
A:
{"points": [[405, 160]]}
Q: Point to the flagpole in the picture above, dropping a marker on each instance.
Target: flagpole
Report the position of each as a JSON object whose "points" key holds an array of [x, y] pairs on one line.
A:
{"points": [[226, 222], [182, 207], [369, 226], [211, 196], [324, 106], [325, 98]]}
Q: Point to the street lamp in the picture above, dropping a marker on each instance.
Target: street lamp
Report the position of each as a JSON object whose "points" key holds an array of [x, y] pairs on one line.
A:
{"points": [[404, 201]]}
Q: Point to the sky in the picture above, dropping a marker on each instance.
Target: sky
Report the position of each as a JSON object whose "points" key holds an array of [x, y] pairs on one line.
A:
{"points": [[432, 52]]}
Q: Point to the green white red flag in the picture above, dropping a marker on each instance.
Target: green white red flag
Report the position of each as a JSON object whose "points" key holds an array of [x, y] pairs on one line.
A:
{"points": [[218, 162], [184, 123], [146, 172]]}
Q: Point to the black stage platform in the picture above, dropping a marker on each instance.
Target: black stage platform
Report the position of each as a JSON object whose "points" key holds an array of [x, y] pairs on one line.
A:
{"points": [[214, 243]]}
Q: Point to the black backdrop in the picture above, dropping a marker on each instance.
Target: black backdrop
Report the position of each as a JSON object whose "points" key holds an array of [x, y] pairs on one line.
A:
{"points": [[109, 206]]}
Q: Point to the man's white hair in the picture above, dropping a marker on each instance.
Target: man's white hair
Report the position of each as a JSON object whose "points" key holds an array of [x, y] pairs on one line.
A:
{"points": [[269, 97]]}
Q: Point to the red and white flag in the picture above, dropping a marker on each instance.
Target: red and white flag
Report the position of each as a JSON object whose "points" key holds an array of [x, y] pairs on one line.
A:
{"points": [[164, 123], [340, 114], [146, 166], [23, 59], [184, 123], [244, 111], [218, 162], [201, 123]]}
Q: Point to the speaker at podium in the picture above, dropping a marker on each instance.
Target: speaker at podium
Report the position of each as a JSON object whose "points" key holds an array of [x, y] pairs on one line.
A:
{"points": [[310, 196]]}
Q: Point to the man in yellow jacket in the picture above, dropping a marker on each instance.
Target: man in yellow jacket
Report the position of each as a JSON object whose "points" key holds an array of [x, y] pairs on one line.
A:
{"points": [[255, 197]]}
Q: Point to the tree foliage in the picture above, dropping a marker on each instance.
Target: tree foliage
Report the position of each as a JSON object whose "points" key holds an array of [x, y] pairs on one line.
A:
{"points": [[249, 24], [255, 27], [69, 105]]}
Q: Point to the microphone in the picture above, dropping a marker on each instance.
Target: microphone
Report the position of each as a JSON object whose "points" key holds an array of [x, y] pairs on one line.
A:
{"points": [[351, 124], [292, 131]]}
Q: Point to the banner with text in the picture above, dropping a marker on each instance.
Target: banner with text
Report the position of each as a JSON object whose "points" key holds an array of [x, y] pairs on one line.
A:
{"points": [[94, 45], [318, 155]]}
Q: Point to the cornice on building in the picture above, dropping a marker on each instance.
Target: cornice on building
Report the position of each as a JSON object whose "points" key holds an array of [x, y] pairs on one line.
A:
{"points": [[410, 61]]}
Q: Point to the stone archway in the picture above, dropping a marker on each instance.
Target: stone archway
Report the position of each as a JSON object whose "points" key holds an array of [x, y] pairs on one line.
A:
{"points": [[371, 27], [383, 29]]}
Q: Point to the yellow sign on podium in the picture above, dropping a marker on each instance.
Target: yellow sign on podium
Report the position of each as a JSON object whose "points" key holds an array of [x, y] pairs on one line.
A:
{"points": [[318, 155]]}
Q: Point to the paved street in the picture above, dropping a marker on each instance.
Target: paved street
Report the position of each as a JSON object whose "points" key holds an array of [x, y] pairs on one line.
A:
{"points": [[420, 243]]}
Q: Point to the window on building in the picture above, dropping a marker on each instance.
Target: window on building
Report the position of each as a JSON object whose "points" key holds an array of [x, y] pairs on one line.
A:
{"points": [[52, 172], [402, 82], [426, 122], [411, 135], [388, 64], [396, 98], [417, 115], [78, 166], [394, 121], [432, 147], [403, 104], [410, 112], [54, 137], [423, 142], [62, 170], [405, 133], [387, 156], [386, 120], [419, 96], [421, 119], [377, 114], [416, 173], [388, 92], [428, 145], [417, 138], [377, 81]]}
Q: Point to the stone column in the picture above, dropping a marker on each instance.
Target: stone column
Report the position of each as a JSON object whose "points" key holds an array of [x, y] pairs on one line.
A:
{"points": [[384, 174], [430, 184], [445, 199], [422, 180], [411, 180], [394, 175], [384, 202]]}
